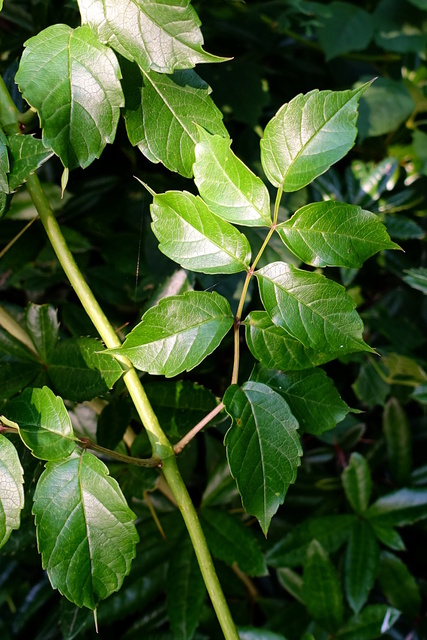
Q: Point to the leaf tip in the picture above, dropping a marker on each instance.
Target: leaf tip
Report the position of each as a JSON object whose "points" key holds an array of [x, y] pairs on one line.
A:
{"points": [[145, 185]]}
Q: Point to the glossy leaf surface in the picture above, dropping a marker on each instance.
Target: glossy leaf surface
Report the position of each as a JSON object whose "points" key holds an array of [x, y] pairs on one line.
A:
{"points": [[86, 535], [190, 234], [311, 395], [311, 308], [263, 448], [360, 564], [79, 114], [308, 135], [11, 489], [321, 588], [357, 482], [159, 36], [27, 155], [44, 424], [162, 113], [334, 234], [399, 508], [227, 185], [178, 333]]}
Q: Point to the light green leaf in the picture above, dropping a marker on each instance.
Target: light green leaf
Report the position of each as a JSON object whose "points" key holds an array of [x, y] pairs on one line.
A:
{"points": [[321, 588], [308, 135], [331, 531], [360, 564], [44, 424], [80, 112], [417, 279], [263, 448], [344, 28], [162, 113], [275, 348], [357, 482], [43, 327], [159, 36], [314, 310], [399, 585], [311, 395], [227, 185], [86, 535], [80, 369], [190, 234], [399, 508], [398, 439], [186, 591], [334, 234], [11, 491], [178, 333], [369, 624], [231, 541], [4, 162], [27, 154]]}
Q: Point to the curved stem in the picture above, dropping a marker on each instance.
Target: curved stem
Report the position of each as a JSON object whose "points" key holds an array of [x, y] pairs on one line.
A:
{"points": [[86, 443], [161, 446]]}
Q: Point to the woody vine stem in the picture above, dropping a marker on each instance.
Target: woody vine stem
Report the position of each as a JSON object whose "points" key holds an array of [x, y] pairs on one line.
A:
{"points": [[161, 447]]}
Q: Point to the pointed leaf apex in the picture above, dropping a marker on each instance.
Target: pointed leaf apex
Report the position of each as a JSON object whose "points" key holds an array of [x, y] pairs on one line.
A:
{"points": [[149, 189]]}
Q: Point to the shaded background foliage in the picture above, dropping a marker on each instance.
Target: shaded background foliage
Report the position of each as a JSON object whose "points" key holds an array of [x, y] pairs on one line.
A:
{"points": [[278, 49]]}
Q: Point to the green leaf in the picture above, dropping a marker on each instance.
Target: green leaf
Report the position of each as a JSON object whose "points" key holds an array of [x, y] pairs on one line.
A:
{"points": [[275, 348], [321, 588], [232, 542], [263, 448], [178, 333], [15, 376], [399, 508], [360, 564], [344, 28], [388, 536], [369, 387], [11, 491], [331, 531], [80, 369], [4, 163], [398, 441], [80, 112], [311, 395], [357, 482], [369, 624], [43, 327], [158, 36], [334, 234], [384, 107], [162, 113], [314, 310], [292, 582], [44, 424], [86, 535], [27, 155], [399, 585], [190, 234], [417, 279], [308, 135], [227, 185], [186, 591]]}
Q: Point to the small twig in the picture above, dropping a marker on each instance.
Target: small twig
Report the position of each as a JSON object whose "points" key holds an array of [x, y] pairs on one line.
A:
{"points": [[154, 515], [251, 588], [155, 461], [18, 235], [195, 430]]}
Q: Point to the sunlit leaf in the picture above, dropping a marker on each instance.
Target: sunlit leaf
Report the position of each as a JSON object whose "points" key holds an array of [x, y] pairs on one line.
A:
{"points": [[263, 448], [86, 534], [27, 154], [190, 234], [11, 491], [80, 112]]}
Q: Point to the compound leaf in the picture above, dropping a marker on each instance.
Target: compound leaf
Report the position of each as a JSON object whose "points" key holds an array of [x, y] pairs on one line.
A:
{"points": [[334, 234], [27, 154], [308, 135], [162, 113], [190, 234], [178, 333], [311, 395], [162, 36], [227, 185], [44, 424], [85, 530], [80, 112], [311, 308], [11, 491], [263, 448]]}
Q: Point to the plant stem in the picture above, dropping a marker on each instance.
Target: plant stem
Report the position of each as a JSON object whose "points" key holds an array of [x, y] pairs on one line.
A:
{"points": [[115, 455], [8, 111], [195, 430], [161, 446]]}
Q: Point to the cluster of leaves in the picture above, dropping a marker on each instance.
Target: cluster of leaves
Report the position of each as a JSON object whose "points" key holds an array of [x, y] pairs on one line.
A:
{"points": [[338, 564]]}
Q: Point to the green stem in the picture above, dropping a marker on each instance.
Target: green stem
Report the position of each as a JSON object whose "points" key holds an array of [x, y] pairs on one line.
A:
{"points": [[8, 111], [161, 447], [85, 443]]}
